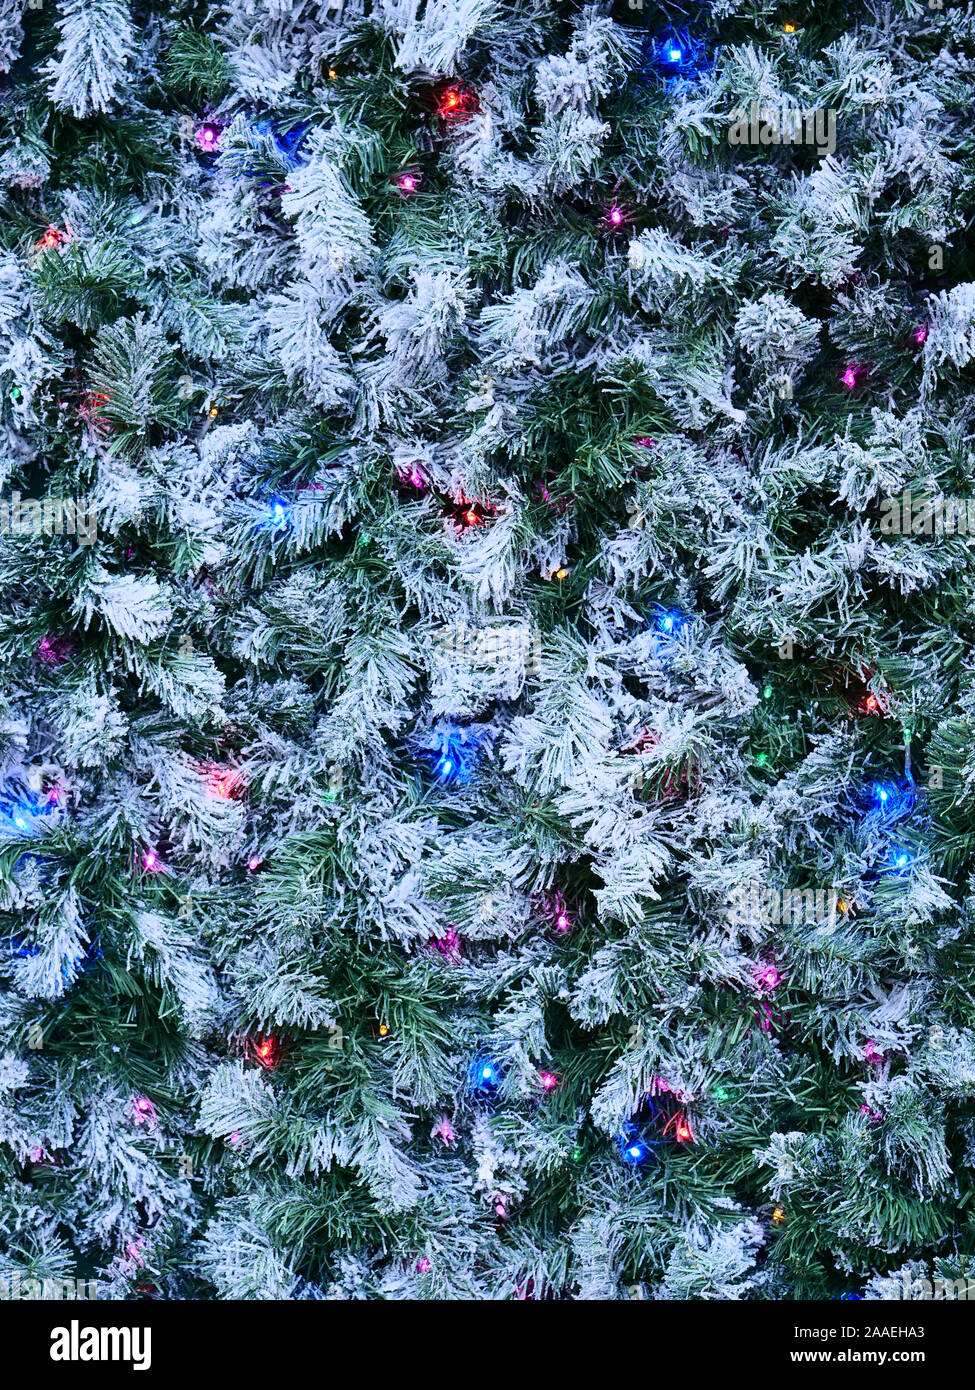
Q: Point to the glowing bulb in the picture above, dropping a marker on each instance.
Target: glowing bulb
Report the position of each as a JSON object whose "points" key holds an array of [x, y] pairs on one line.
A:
{"points": [[208, 138], [778, 1214], [253, 863], [549, 1080], [674, 55], [485, 1076], [788, 27], [849, 378]]}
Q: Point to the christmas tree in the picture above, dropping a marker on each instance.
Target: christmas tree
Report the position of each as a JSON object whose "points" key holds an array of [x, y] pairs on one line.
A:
{"points": [[486, 807]]}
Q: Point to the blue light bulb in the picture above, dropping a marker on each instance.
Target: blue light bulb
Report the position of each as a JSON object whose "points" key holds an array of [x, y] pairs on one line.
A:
{"points": [[670, 622], [485, 1076], [674, 55]]}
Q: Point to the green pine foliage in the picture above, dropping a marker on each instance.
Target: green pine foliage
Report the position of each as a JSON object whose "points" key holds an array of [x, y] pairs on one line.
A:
{"points": [[465, 559]]}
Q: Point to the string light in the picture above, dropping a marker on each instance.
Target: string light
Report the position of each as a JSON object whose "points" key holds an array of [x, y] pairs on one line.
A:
{"points": [[854, 375], [457, 102], [144, 1112], [633, 1149], [276, 517], [52, 238], [208, 137], [485, 1076], [266, 1053], [767, 976], [615, 218]]}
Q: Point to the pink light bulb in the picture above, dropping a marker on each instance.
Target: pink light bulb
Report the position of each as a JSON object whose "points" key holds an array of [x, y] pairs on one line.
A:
{"points": [[144, 1112], [768, 977], [208, 137], [253, 863], [423, 1265], [849, 378], [549, 1080], [151, 862], [921, 334]]}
